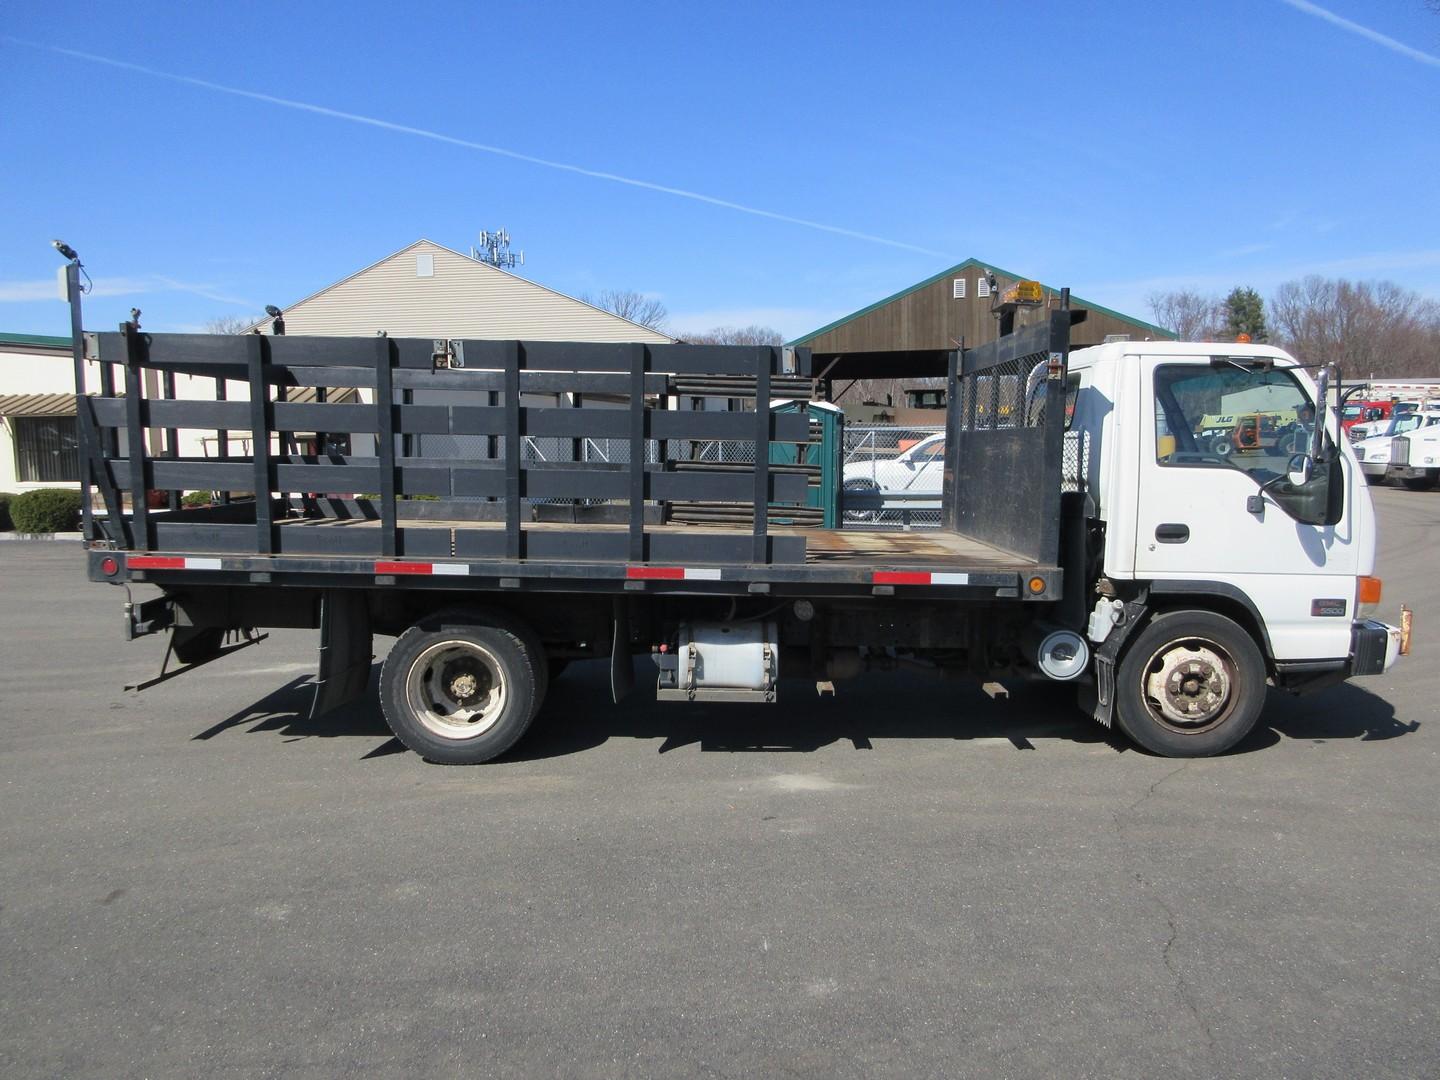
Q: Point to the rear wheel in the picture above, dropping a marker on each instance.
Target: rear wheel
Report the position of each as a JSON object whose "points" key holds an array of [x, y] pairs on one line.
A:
{"points": [[461, 688], [1421, 483], [1192, 684]]}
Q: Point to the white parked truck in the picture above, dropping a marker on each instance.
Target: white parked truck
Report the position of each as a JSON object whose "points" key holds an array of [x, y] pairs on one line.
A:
{"points": [[1415, 455], [1378, 455], [1090, 531]]}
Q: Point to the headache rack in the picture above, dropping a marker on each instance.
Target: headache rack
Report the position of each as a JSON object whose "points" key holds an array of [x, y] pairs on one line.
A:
{"points": [[386, 457]]}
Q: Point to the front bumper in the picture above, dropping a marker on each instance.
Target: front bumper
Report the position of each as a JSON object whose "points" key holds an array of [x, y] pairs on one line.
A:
{"points": [[1374, 647], [1409, 472]]}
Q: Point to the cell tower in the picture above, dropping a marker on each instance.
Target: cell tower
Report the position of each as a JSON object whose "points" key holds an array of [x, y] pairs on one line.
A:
{"points": [[495, 249]]}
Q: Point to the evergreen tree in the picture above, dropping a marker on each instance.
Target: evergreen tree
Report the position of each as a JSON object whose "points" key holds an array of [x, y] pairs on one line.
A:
{"points": [[1245, 314]]}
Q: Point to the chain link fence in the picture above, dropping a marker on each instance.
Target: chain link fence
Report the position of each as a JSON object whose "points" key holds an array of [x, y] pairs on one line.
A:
{"points": [[893, 476]]}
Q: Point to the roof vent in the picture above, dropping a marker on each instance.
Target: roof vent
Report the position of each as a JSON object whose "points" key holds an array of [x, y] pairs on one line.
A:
{"points": [[425, 265], [959, 288], [982, 285]]}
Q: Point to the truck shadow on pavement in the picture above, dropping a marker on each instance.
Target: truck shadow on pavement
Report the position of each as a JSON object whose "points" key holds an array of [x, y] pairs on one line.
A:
{"points": [[578, 716]]}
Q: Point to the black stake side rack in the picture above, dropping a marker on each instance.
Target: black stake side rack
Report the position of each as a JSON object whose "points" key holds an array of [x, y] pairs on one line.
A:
{"points": [[370, 506]]}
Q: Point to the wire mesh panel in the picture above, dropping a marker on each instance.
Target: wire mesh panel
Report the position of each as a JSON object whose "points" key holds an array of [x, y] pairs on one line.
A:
{"points": [[1076, 463], [1004, 396]]}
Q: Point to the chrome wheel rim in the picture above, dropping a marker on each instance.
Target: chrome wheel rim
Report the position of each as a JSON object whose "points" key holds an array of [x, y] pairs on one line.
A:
{"points": [[1189, 685], [456, 689]]}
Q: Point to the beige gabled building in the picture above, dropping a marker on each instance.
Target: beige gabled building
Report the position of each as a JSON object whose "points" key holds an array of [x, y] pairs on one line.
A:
{"points": [[426, 290]]}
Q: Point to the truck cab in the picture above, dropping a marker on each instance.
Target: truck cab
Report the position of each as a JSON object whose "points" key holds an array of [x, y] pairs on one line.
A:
{"points": [[1266, 526], [1415, 452]]}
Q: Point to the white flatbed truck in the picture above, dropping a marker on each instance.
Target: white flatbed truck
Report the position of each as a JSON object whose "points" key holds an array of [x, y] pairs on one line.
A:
{"points": [[1093, 537]]}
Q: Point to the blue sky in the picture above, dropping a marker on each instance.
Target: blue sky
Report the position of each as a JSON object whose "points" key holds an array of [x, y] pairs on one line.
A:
{"points": [[1118, 148]]}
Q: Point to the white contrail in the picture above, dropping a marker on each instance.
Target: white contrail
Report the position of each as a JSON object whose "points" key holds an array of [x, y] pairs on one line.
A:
{"points": [[406, 129], [1364, 31]]}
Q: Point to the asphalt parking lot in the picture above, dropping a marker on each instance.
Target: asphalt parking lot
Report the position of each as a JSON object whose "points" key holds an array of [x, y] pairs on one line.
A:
{"points": [[911, 880]]}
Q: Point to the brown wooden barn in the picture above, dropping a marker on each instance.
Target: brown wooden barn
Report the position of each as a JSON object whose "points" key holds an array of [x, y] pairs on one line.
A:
{"points": [[909, 334]]}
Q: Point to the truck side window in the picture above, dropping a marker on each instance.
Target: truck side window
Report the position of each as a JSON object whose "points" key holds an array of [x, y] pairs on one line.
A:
{"points": [[1231, 416], [1240, 417]]}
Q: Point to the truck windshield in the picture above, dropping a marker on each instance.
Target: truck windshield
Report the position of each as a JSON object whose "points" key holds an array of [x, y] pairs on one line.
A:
{"points": [[1410, 421]]}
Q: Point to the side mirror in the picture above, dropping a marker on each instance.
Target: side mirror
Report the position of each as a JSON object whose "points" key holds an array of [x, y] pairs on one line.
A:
{"points": [[1300, 469]]}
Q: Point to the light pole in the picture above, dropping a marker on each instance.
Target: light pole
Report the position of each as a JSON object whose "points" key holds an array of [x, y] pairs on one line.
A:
{"points": [[73, 291]]}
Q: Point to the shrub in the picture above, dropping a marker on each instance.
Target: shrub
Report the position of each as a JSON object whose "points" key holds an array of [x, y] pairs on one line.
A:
{"points": [[197, 498], [6, 498], [46, 510]]}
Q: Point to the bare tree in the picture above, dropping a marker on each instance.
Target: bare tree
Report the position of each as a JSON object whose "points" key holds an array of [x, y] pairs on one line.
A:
{"points": [[229, 324], [632, 305], [1367, 327], [736, 335], [1187, 314]]}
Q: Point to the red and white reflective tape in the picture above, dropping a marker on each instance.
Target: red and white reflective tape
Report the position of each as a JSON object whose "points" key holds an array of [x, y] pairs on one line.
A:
{"points": [[425, 568], [918, 577], [171, 562], [672, 573]]}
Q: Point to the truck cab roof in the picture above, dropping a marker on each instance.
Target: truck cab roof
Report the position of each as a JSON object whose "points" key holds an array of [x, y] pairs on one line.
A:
{"points": [[1116, 350]]}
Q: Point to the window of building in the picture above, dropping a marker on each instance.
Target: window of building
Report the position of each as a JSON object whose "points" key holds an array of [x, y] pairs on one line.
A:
{"points": [[959, 288], [46, 449], [982, 285]]}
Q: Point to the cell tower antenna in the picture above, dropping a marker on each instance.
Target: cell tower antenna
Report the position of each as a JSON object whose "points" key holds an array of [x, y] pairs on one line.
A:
{"points": [[495, 249]]}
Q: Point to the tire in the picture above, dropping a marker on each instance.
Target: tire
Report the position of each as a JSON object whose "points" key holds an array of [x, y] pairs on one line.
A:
{"points": [[1222, 446], [860, 486], [1215, 669], [461, 688], [1419, 483]]}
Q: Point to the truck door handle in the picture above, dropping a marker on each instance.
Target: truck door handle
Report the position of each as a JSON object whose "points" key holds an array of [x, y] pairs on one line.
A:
{"points": [[1172, 533]]}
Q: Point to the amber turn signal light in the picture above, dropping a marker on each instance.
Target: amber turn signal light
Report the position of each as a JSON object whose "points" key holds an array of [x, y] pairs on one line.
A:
{"points": [[1037, 585], [1367, 590]]}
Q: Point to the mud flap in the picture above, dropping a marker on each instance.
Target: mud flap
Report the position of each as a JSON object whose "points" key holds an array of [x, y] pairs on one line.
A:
{"points": [[346, 649], [622, 663], [1107, 661]]}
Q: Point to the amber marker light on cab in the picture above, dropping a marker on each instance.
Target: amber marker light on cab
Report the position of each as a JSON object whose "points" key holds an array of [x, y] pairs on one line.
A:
{"points": [[1367, 595]]}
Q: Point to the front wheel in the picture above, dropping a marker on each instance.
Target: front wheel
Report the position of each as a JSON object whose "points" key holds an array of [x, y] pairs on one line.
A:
{"points": [[460, 689], [1421, 483], [1192, 684]]}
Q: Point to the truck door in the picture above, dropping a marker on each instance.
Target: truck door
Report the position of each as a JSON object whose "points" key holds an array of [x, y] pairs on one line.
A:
{"points": [[1221, 510]]}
